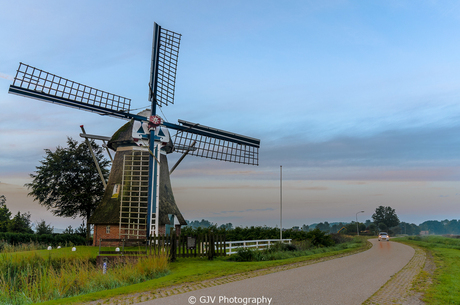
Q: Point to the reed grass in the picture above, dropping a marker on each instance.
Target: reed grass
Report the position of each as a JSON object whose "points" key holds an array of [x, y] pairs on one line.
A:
{"points": [[27, 278], [6, 247]]}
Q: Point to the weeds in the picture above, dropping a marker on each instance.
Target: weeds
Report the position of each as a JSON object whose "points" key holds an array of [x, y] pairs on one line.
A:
{"points": [[31, 278], [6, 247]]}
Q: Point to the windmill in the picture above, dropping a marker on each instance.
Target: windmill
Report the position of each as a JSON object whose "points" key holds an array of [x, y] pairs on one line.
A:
{"points": [[149, 131]]}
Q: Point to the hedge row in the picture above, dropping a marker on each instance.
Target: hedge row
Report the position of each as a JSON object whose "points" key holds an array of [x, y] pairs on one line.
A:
{"points": [[47, 239], [257, 233]]}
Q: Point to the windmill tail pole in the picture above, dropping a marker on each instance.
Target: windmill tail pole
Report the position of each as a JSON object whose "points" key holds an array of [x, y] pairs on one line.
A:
{"points": [[94, 157], [182, 158], [108, 152]]}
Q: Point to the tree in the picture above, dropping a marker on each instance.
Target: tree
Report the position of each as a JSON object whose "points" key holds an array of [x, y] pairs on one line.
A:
{"points": [[200, 224], [351, 227], [68, 230], [5, 214], [67, 181], [325, 227], [386, 216], [453, 226], [383, 227], [43, 228], [20, 223], [81, 230], [227, 226], [433, 226], [373, 228]]}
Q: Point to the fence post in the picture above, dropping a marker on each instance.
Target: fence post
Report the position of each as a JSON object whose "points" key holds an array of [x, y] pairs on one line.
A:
{"points": [[173, 250], [211, 247]]}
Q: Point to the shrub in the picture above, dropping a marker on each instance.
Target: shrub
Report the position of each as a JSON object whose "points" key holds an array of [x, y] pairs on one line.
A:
{"points": [[302, 245], [340, 238], [319, 239], [243, 255], [284, 247]]}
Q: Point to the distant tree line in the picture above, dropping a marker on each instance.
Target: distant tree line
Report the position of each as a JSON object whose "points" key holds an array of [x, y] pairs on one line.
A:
{"points": [[384, 219], [22, 224], [19, 223], [42, 239]]}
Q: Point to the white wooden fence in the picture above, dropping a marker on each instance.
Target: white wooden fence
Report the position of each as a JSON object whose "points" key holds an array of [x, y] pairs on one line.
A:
{"points": [[232, 246]]}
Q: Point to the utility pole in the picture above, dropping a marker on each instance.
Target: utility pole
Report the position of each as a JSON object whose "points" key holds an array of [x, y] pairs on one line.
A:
{"points": [[281, 203], [357, 227]]}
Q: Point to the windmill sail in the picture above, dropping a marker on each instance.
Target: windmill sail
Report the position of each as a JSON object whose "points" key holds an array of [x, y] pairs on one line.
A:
{"points": [[215, 144], [38, 84], [165, 53]]}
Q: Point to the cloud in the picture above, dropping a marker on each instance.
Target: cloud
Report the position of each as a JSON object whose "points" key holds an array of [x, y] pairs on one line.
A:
{"points": [[6, 76], [416, 146], [243, 211], [251, 187]]}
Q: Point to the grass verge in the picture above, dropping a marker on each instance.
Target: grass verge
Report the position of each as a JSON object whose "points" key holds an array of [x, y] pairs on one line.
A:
{"points": [[33, 276], [200, 269], [446, 278]]}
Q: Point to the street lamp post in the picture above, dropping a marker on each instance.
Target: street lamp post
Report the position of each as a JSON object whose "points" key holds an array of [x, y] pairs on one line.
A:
{"points": [[357, 227]]}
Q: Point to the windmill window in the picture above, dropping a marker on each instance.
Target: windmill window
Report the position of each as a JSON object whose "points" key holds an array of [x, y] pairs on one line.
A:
{"points": [[116, 191], [107, 230]]}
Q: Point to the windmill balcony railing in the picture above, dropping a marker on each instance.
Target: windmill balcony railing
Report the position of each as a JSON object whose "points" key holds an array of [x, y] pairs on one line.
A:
{"points": [[232, 246]]}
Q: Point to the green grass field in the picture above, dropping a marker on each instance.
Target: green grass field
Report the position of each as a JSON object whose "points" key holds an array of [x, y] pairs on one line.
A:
{"points": [[445, 288]]}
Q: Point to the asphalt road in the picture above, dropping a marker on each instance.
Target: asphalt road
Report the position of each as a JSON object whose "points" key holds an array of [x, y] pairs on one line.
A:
{"points": [[347, 280]]}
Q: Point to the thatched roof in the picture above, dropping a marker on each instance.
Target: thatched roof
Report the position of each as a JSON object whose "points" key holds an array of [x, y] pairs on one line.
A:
{"points": [[108, 211]]}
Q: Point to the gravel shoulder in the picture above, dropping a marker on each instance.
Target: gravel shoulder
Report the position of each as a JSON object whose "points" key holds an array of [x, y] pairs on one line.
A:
{"points": [[404, 288]]}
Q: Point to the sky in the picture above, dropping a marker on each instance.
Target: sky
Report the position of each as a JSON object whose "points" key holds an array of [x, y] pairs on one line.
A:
{"points": [[358, 101]]}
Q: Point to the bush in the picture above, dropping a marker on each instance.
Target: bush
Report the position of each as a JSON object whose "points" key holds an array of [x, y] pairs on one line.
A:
{"points": [[340, 238], [243, 255], [302, 245], [319, 239]]}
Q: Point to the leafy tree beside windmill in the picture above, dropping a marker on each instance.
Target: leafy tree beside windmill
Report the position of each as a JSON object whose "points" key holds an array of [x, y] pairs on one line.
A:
{"points": [[138, 199], [67, 182]]}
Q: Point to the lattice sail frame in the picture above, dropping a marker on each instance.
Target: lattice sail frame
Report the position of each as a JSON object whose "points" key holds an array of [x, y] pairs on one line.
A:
{"points": [[134, 188], [168, 54], [243, 151], [49, 87]]}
